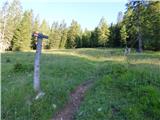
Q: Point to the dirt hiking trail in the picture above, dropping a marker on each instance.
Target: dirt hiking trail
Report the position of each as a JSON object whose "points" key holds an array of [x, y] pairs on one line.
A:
{"points": [[76, 97]]}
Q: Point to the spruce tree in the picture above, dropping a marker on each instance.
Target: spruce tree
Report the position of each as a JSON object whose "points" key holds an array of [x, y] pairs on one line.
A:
{"points": [[63, 31], [44, 28], [22, 35], [86, 38], [34, 29], [73, 34], [11, 14], [94, 38], [134, 19], [123, 36], [151, 27], [103, 33], [55, 36]]}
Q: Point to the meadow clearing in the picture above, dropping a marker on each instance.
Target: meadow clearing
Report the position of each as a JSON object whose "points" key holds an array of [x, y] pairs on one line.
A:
{"points": [[124, 87]]}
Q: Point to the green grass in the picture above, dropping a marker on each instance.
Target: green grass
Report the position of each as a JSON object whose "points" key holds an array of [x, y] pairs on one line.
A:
{"points": [[125, 87], [128, 91]]}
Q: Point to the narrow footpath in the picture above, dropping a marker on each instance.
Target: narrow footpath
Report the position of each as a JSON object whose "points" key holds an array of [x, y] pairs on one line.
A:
{"points": [[76, 97]]}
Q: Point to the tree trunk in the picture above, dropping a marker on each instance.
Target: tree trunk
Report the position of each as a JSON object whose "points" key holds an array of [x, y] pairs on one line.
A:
{"points": [[36, 83], [139, 42], [139, 29]]}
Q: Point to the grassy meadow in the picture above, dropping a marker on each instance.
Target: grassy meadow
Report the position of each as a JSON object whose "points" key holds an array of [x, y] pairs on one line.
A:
{"points": [[125, 87]]}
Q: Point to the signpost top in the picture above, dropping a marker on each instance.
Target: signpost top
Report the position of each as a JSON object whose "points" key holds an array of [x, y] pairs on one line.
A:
{"points": [[39, 35]]}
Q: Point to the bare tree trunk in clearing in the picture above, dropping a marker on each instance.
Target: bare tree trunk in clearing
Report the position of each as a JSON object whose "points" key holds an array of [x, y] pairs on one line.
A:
{"points": [[139, 42], [36, 83]]}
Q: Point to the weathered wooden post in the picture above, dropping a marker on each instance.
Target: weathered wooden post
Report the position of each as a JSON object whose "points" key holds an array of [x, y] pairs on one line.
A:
{"points": [[36, 81]]}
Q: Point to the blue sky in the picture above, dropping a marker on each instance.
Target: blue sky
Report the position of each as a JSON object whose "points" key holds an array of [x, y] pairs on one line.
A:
{"points": [[88, 14]]}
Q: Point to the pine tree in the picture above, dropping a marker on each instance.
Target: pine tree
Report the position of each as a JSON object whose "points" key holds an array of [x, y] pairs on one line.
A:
{"points": [[55, 36], [86, 38], [63, 31], [34, 29], [63, 38], [22, 35], [134, 19], [114, 38], [142, 20], [73, 34], [11, 16], [44, 28], [78, 41], [103, 33], [123, 35], [151, 27], [94, 38]]}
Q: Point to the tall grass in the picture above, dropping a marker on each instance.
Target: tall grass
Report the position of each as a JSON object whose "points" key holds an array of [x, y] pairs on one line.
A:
{"points": [[63, 70]]}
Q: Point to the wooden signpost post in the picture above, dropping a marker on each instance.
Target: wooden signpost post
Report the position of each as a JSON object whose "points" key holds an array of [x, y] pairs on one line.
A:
{"points": [[36, 81]]}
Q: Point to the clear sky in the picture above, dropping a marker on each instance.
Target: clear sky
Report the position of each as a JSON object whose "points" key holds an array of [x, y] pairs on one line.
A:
{"points": [[87, 13]]}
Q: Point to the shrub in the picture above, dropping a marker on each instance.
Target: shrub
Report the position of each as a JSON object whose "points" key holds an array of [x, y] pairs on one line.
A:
{"points": [[19, 67], [8, 60]]}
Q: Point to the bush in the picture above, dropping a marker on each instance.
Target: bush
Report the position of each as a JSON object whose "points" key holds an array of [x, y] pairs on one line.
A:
{"points": [[8, 60], [19, 67]]}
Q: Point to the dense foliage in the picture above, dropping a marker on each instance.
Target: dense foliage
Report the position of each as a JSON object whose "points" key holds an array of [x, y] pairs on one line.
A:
{"points": [[139, 27]]}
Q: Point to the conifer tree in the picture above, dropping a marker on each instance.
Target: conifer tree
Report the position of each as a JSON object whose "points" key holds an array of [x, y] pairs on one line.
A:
{"points": [[63, 31], [134, 19], [123, 36], [55, 36], [22, 35], [34, 29], [44, 28], [86, 38], [73, 34], [11, 16], [103, 33], [151, 26]]}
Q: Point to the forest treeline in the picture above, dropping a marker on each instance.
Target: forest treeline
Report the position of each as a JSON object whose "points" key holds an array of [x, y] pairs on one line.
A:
{"points": [[138, 27]]}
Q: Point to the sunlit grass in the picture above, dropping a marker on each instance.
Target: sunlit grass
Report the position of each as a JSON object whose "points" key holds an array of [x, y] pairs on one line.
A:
{"points": [[92, 58], [110, 55]]}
